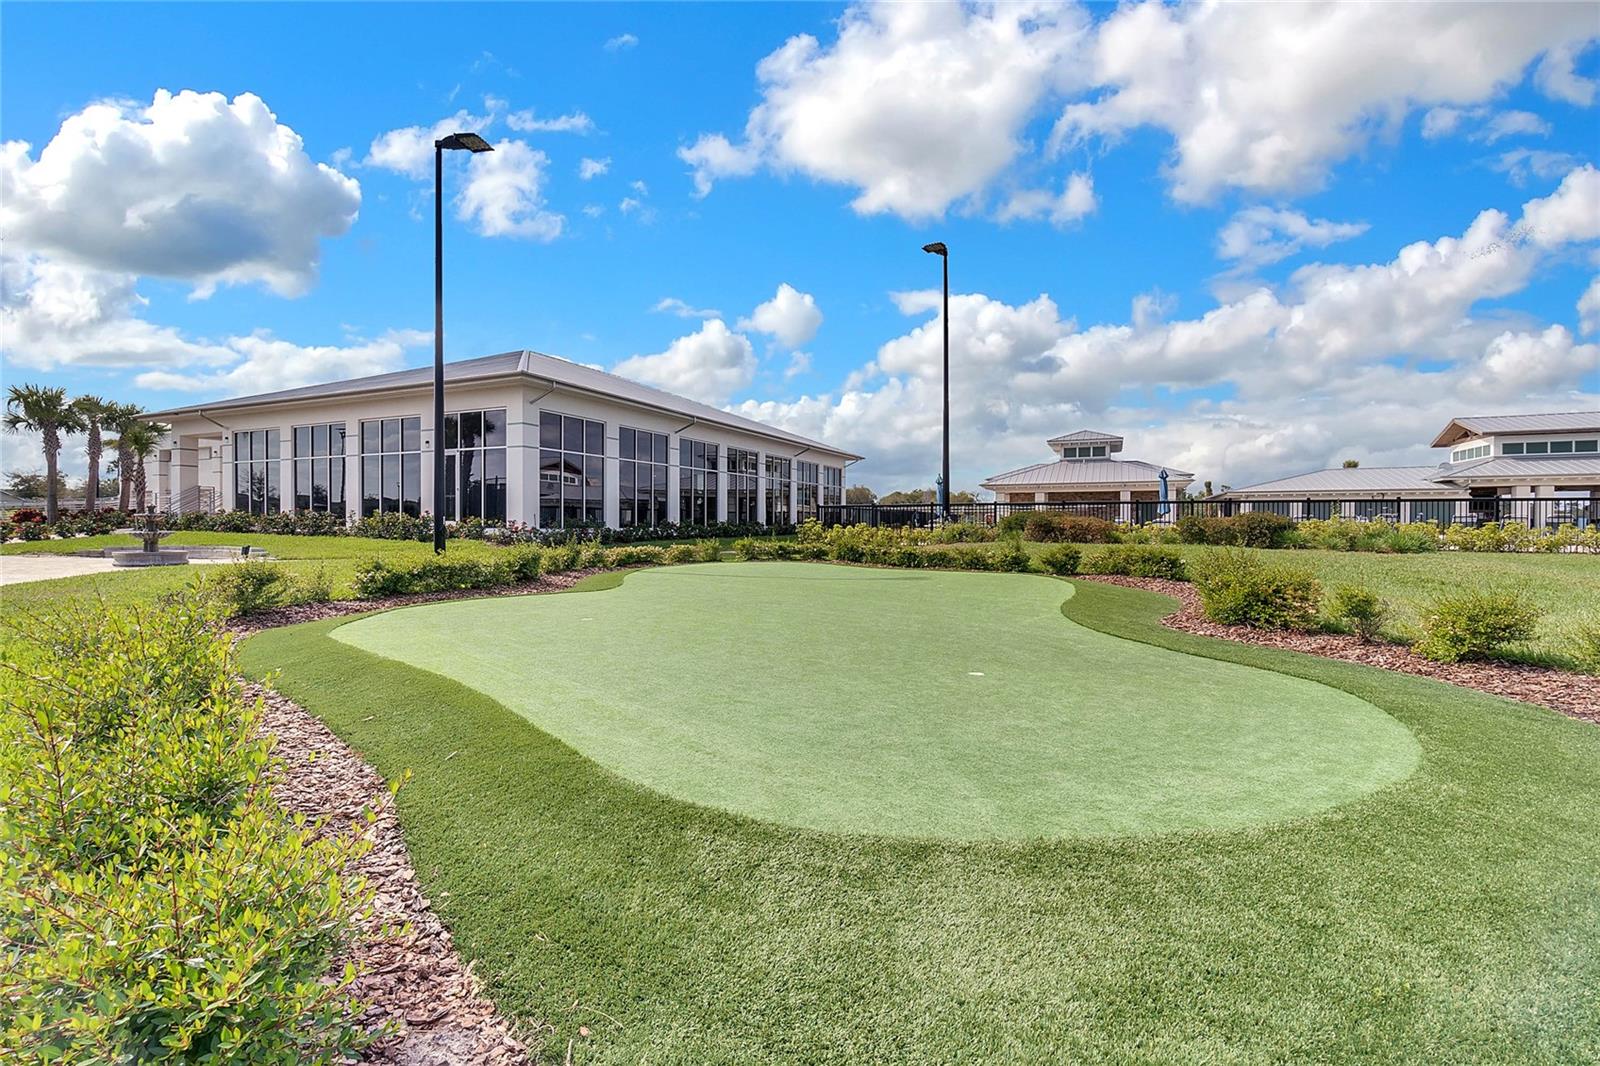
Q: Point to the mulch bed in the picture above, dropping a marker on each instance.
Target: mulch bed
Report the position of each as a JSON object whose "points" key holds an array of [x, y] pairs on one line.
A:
{"points": [[1572, 694], [410, 975]]}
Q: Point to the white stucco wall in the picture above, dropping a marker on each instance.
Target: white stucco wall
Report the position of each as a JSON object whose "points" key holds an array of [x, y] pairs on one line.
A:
{"points": [[185, 472]]}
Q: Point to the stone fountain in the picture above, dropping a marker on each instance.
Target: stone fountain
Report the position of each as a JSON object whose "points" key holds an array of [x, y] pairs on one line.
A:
{"points": [[151, 534]]}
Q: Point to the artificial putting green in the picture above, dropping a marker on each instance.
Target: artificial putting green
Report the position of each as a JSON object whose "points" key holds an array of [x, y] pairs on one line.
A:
{"points": [[949, 705], [1452, 917]]}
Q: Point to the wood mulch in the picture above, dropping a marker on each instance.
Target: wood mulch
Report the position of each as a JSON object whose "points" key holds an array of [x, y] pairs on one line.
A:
{"points": [[410, 976], [1573, 694]]}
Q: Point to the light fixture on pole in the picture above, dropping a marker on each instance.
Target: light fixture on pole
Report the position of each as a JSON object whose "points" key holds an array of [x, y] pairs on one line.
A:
{"points": [[939, 249], [467, 142]]}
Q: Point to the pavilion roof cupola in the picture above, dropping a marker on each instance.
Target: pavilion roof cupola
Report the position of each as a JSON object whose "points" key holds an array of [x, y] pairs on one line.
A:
{"points": [[1086, 444]]}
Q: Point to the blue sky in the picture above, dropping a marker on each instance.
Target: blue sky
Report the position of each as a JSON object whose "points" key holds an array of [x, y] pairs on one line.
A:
{"points": [[1181, 223]]}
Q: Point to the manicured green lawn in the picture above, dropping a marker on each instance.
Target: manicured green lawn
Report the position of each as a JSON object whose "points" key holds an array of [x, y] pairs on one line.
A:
{"points": [[1566, 586], [1453, 916], [893, 702]]}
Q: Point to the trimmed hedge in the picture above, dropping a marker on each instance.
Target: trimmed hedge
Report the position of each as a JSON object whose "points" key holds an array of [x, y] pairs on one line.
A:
{"points": [[156, 903], [1051, 527]]}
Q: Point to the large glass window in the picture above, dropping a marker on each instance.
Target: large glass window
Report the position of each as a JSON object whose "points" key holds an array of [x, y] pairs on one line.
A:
{"points": [[697, 482], [832, 486], [744, 480], [641, 478], [571, 470], [475, 465], [805, 490], [391, 466], [256, 478], [319, 468], [778, 481]]}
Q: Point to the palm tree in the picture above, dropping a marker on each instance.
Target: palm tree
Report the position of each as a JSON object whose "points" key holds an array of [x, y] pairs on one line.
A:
{"points": [[95, 413], [119, 416], [45, 411], [141, 439]]}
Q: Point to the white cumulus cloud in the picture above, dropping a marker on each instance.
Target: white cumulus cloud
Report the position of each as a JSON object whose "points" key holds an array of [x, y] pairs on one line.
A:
{"points": [[1266, 97], [914, 105], [589, 169], [504, 194], [1256, 236], [191, 186], [711, 364], [1075, 201], [791, 316]]}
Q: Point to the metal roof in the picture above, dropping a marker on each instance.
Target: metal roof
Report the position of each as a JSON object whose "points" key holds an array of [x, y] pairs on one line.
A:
{"points": [[536, 365], [1350, 479], [1521, 468], [1083, 472], [1485, 425]]}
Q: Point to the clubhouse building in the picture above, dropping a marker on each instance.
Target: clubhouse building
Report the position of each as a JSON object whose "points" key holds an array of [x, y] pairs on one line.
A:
{"points": [[1499, 466], [529, 438], [1084, 473]]}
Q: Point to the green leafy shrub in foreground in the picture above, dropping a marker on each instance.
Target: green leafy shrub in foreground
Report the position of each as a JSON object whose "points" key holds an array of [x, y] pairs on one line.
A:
{"points": [[1475, 625], [1137, 560], [1237, 588], [1061, 559], [1358, 608], [156, 904]]}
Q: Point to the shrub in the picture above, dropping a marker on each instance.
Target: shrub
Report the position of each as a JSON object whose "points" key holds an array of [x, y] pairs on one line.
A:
{"points": [[1048, 527], [1475, 625], [560, 558], [941, 558], [962, 533], [810, 532], [1015, 522], [376, 578], [393, 525], [636, 555], [683, 553], [1259, 529], [787, 549], [156, 904], [1193, 529], [247, 587], [310, 586], [1127, 533], [592, 555], [1137, 560], [1237, 588], [755, 549], [1061, 559], [1358, 608], [1585, 642], [1007, 556], [524, 562]]}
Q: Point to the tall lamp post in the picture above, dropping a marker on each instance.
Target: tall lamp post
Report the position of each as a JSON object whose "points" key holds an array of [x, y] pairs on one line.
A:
{"points": [[938, 248], [468, 142]]}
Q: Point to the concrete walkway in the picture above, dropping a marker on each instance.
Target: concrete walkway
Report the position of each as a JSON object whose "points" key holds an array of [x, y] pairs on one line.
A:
{"points": [[15, 569]]}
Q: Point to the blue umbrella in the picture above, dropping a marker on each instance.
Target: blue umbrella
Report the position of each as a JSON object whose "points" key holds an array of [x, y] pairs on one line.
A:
{"points": [[1163, 508]]}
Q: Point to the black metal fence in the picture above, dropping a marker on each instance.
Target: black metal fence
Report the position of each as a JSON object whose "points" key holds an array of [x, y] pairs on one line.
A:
{"points": [[1548, 512]]}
